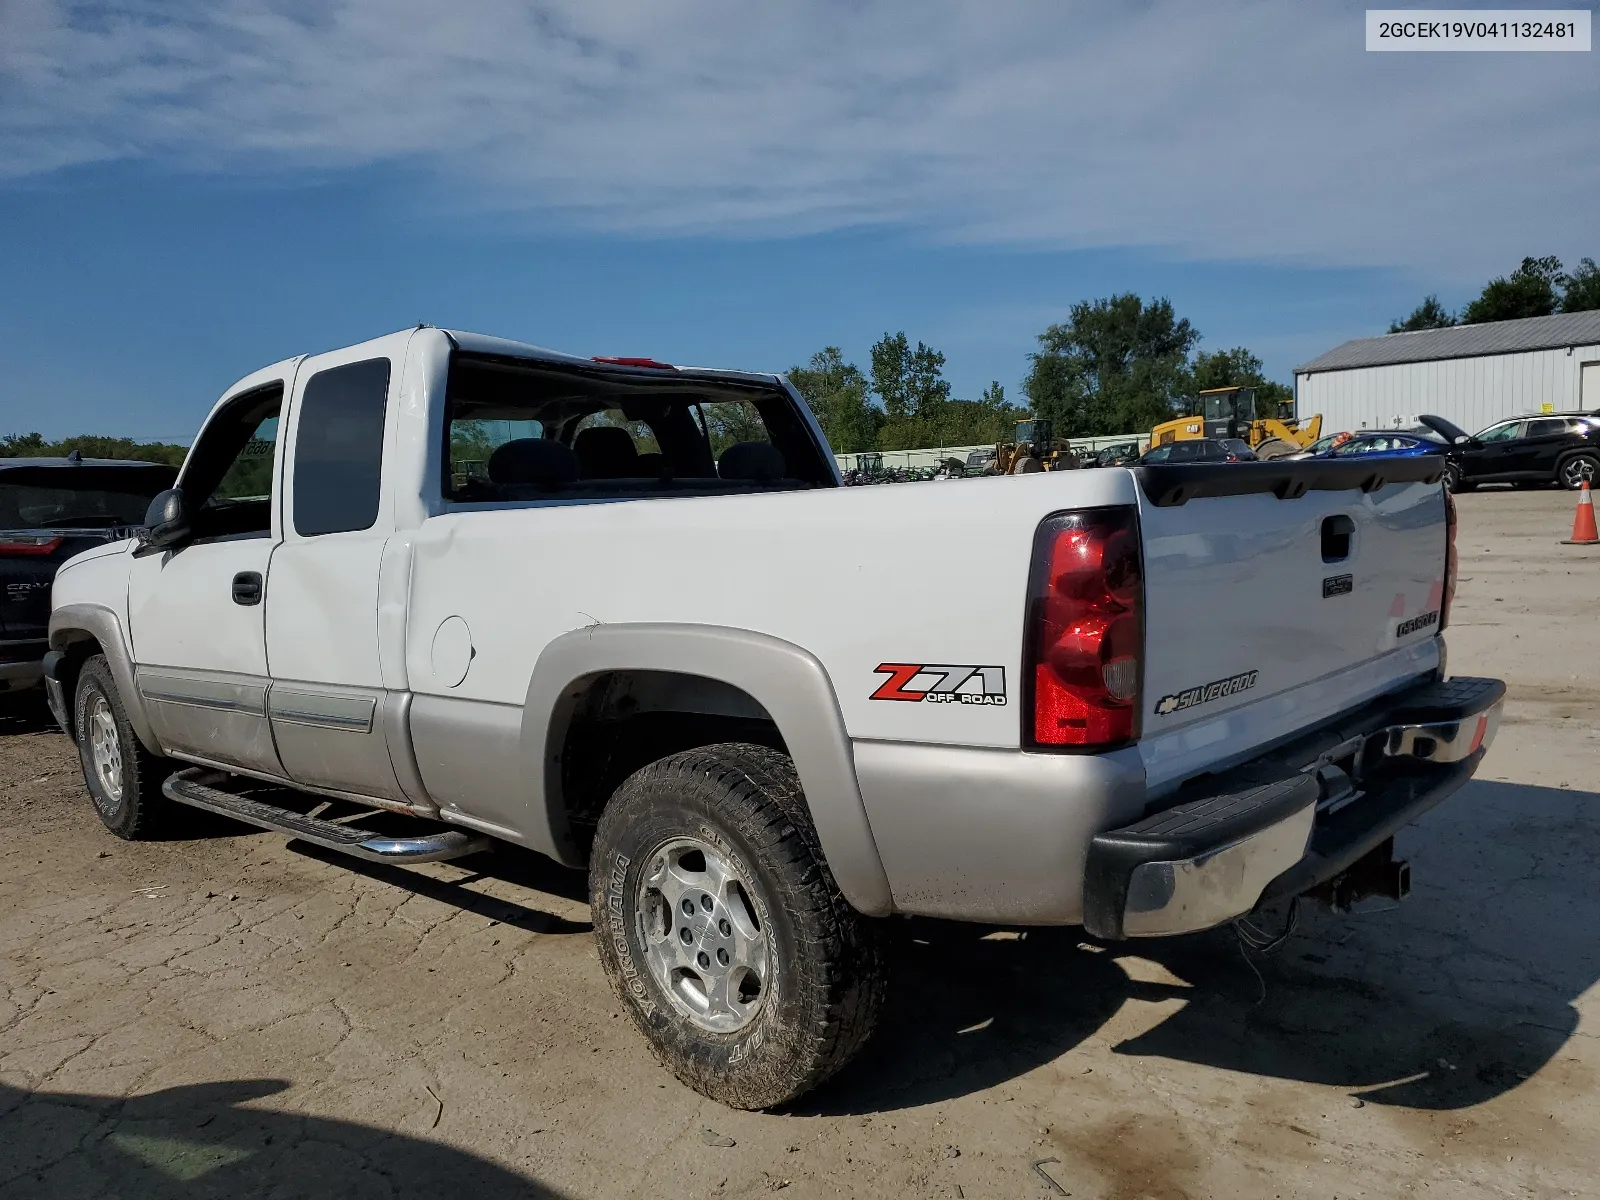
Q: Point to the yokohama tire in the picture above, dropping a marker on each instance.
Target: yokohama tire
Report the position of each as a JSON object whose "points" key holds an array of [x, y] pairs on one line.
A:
{"points": [[821, 972], [124, 779]]}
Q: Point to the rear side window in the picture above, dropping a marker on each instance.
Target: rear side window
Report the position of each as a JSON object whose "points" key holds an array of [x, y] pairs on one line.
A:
{"points": [[1553, 427], [338, 454]]}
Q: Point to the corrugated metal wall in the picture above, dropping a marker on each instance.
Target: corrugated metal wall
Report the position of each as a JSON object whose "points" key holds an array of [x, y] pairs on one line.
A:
{"points": [[1472, 392]]}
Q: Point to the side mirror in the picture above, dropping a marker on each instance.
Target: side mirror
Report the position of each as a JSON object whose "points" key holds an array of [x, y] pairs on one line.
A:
{"points": [[166, 521], [1462, 440]]}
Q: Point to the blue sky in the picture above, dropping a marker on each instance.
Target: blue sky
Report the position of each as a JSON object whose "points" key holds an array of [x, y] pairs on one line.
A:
{"points": [[189, 191]]}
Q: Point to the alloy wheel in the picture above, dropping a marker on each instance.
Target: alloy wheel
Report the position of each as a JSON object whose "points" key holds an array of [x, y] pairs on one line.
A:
{"points": [[702, 938], [105, 748]]}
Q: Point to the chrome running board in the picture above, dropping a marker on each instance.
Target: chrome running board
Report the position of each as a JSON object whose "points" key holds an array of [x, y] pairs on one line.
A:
{"points": [[186, 787]]}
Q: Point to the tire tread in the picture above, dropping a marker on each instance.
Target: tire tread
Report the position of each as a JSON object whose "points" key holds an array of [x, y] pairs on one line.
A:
{"points": [[755, 790]]}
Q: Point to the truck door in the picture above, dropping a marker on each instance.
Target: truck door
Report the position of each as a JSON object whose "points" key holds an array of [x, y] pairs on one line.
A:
{"points": [[327, 701], [195, 613]]}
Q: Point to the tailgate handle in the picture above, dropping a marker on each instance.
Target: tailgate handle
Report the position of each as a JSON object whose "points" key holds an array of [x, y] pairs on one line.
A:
{"points": [[1337, 531]]}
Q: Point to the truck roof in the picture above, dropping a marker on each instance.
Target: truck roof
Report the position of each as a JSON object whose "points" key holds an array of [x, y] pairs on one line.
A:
{"points": [[481, 343]]}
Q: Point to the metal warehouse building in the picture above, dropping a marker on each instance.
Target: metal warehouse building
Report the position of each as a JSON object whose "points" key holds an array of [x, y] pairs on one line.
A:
{"points": [[1473, 375]]}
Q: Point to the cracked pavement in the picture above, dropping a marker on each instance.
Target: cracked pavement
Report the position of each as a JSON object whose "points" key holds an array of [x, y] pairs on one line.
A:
{"points": [[231, 1014]]}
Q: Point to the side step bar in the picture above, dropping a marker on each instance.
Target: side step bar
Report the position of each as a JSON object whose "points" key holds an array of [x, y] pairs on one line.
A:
{"points": [[185, 788]]}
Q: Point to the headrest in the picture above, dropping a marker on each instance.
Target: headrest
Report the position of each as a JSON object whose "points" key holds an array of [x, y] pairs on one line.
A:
{"points": [[533, 461], [757, 462], [606, 452]]}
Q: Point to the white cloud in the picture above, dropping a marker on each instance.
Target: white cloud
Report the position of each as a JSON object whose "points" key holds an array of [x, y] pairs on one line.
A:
{"points": [[1224, 130]]}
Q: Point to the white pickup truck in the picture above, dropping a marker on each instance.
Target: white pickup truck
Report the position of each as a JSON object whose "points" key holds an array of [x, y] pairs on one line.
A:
{"points": [[622, 613]]}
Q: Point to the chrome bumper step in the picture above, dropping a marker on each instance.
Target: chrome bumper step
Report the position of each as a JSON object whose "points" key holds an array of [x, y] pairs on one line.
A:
{"points": [[1295, 819], [186, 787]]}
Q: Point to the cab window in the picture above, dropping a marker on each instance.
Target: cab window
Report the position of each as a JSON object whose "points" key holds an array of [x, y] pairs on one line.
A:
{"points": [[227, 478], [530, 431], [338, 456]]}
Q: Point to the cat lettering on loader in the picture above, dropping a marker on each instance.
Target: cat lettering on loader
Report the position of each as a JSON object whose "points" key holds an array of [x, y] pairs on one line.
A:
{"points": [[1230, 412]]}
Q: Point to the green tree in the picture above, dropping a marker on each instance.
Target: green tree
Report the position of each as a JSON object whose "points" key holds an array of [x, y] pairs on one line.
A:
{"points": [[1581, 289], [910, 382], [838, 394], [1239, 368], [914, 391], [1532, 290], [989, 418], [1116, 366], [1430, 314], [33, 445]]}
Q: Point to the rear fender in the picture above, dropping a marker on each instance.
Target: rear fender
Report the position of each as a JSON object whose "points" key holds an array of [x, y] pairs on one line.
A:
{"points": [[787, 681]]}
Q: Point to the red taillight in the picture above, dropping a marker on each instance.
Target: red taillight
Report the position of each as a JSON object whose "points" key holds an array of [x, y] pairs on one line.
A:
{"points": [[634, 362], [1451, 563], [1085, 630], [28, 545]]}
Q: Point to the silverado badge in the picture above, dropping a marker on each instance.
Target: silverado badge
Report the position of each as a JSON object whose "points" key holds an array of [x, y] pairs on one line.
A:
{"points": [[1205, 693]]}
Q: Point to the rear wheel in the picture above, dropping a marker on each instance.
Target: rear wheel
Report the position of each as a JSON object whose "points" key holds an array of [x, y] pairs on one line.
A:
{"points": [[1276, 448], [124, 779], [723, 930], [1453, 482], [1578, 470]]}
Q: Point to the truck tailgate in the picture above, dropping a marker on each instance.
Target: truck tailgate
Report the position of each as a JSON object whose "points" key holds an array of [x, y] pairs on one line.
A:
{"points": [[1265, 615]]}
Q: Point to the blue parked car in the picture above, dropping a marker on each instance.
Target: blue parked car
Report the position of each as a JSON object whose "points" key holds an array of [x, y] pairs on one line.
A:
{"points": [[1389, 444]]}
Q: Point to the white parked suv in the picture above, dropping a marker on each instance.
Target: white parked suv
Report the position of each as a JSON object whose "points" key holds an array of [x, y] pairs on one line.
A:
{"points": [[621, 613]]}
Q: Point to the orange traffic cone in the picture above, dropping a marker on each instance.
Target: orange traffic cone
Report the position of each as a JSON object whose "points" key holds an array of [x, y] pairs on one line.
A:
{"points": [[1584, 532]]}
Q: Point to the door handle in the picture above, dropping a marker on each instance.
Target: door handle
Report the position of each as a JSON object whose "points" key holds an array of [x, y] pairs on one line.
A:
{"points": [[247, 587]]}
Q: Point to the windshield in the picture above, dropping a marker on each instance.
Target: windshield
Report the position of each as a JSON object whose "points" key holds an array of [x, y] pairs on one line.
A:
{"points": [[123, 501]]}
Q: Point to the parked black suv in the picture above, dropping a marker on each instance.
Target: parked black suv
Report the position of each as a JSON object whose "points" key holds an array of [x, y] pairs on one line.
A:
{"points": [[51, 509], [1561, 448]]}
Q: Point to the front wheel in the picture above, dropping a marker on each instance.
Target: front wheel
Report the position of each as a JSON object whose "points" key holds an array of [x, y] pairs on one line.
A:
{"points": [[723, 931], [1272, 448], [124, 779], [1578, 470]]}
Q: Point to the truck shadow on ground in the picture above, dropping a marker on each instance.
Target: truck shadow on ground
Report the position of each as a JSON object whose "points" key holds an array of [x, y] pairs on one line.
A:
{"points": [[202, 1140], [1448, 1001], [521, 868], [25, 712]]}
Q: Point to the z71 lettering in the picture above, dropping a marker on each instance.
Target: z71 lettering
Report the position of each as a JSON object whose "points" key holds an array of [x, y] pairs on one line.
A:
{"points": [[924, 683]]}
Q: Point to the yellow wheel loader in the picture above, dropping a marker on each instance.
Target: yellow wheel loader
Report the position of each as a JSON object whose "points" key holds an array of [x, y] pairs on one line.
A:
{"points": [[1035, 449], [1230, 412]]}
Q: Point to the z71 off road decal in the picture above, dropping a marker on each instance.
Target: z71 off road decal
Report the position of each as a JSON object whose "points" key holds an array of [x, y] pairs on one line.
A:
{"points": [[926, 683], [1416, 623], [1205, 693]]}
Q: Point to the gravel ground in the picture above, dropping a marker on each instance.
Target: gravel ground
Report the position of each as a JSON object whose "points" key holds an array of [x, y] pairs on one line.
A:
{"points": [[230, 1015]]}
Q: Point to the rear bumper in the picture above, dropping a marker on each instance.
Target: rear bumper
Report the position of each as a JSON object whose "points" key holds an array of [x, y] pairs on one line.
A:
{"points": [[1291, 820]]}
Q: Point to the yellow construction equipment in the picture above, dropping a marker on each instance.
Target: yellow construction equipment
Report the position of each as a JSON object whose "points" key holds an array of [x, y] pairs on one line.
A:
{"points": [[1035, 449], [1230, 412]]}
